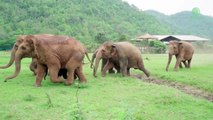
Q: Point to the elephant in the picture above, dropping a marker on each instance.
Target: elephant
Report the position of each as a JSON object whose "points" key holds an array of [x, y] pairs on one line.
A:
{"points": [[124, 54], [19, 40], [53, 52], [97, 54], [183, 52]]}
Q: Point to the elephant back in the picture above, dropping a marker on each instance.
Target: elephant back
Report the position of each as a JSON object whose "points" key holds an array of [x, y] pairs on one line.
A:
{"points": [[128, 49]]}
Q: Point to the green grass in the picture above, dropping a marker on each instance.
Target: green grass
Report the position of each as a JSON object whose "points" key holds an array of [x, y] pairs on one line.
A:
{"points": [[199, 75], [111, 97]]}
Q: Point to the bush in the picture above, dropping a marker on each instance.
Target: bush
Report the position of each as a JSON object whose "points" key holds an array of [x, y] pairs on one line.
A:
{"points": [[158, 46]]}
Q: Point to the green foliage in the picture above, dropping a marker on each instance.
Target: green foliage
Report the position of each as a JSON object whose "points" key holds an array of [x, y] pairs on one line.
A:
{"points": [[100, 38], [187, 23], [158, 46], [81, 19], [123, 38]]}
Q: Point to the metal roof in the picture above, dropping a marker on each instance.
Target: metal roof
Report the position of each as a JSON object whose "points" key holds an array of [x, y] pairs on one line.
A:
{"points": [[182, 37]]}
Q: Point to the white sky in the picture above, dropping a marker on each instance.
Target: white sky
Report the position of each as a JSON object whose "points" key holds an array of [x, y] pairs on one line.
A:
{"points": [[169, 7]]}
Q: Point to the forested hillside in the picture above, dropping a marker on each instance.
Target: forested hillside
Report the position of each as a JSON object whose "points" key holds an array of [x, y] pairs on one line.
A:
{"points": [[90, 21], [187, 23]]}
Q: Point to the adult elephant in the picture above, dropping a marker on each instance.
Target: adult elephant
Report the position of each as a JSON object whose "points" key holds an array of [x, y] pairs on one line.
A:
{"points": [[124, 54], [19, 40], [53, 52], [183, 52], [98, 56]]}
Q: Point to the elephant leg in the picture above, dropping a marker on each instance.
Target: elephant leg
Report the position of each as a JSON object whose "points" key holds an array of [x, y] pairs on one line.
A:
{"points": [[123, 65], [80, 74], [117, 68], [142, 68], [33, 67], [53, 70], [185, 64], [177, 64], [108, 66], [128, 71], [104, 62], [41, 69], [72, 67], [180, 65], [70, 77], [189, 63]]}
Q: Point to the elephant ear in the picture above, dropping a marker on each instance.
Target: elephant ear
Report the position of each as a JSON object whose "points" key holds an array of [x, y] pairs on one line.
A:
{"points": [[180, 45], [34, 43], [113, 50]]}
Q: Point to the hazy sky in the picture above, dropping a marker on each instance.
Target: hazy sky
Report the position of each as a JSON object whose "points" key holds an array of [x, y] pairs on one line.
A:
{"points": [[169, 7]]}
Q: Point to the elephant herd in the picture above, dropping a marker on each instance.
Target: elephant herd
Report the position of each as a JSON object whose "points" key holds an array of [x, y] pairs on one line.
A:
{"points": [[60, 55]]}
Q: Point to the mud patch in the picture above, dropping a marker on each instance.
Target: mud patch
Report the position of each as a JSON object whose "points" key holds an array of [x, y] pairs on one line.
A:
{"points": [[182, 87]]}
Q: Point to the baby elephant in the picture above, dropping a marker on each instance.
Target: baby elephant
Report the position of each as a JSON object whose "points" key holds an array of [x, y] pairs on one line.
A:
{"points": [[183, 52], [123, 54]]}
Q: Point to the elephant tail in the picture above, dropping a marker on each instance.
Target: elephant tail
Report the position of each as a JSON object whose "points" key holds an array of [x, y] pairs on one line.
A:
{"points": [[88, 59], [45, 74], [142, 68]]}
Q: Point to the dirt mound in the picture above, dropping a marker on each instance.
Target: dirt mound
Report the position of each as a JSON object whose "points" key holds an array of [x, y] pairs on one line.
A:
{"points": [[182, 87]]}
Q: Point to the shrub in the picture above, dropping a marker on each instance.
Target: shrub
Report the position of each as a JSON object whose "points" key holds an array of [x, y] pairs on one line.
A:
{"points": [[158, 46]]}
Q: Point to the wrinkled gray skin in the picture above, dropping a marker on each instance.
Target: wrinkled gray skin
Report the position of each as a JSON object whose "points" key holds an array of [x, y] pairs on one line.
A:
{"points": [[183, 52], [124, 54], [97, 55]]}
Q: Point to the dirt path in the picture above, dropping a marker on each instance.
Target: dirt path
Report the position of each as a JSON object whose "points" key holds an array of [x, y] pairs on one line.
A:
{"points": [[182, 87]]}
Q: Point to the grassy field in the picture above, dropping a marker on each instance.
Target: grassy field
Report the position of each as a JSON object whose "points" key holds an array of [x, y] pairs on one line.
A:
{"points": [[109, 98]]}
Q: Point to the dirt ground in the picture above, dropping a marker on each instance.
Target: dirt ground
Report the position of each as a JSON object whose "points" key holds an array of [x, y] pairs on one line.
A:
{"points": [[182, 87]]}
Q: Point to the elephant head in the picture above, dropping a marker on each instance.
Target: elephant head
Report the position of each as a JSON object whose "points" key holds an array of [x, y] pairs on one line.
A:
{"points": [[25, 49], [106, 51], [19, 40], [174, 48]]}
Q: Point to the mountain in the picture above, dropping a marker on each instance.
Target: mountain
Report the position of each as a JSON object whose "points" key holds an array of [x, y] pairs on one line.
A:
{"points": [[81, 19], [186, 23]]}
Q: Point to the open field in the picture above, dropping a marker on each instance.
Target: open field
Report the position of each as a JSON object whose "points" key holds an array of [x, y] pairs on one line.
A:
{"points": [[111, 97]]}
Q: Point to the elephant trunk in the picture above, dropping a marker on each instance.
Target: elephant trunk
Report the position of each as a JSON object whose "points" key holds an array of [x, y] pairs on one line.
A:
{"points": [[17, 68], [12, 58], [97, 60], [169, 61]]}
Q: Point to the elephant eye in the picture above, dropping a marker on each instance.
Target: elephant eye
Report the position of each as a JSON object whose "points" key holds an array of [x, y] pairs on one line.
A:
{"points": [[103, 51], [16, 46], [23, 48]]}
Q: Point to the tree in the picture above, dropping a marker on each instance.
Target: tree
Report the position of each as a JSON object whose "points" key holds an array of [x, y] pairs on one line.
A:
{"points": [[100, 38]]}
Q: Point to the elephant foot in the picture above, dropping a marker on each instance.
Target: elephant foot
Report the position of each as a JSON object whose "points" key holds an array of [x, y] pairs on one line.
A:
{"points": [[59, 80], [103, 75], [68, 83], [37, 85], [83, 81]]}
